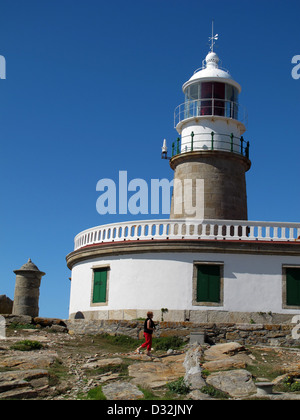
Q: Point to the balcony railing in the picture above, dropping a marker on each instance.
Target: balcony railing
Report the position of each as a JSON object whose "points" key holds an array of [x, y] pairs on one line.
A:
{"points": [[191, 229], [211, 141], [210, 107]]}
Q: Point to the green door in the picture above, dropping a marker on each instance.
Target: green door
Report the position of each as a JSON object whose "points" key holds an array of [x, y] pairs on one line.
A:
{"points": [[293, 286], [208, 283], [100, 282]]}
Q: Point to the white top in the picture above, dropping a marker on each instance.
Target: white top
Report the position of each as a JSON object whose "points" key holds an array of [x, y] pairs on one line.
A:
{"points": [[212, 72]]}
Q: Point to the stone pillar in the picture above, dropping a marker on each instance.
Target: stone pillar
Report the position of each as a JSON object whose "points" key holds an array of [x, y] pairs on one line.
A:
{"points": [[223, 174], [27, 290]]}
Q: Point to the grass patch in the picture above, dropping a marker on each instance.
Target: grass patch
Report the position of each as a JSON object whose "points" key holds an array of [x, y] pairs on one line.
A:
{"points": [[166, 343], [121, 369], [106, 343], [102, 343], [126, 343], [149, 395], [27, 345], [121, 341], [290, 384], [266, 365], [178, 387], [96, 394], [16, 326], [57, 373]]}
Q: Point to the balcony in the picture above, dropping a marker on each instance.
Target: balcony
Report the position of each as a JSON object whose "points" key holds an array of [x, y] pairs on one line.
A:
{"points": [[210, 107], [189, 229], [209, 142]]}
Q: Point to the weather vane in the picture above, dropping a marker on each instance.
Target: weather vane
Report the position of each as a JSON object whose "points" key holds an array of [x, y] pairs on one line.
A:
{"points": [[212, 40]]}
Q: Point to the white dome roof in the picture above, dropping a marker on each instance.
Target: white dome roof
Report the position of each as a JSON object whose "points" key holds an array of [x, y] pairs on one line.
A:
{"points": [[212, 72]]}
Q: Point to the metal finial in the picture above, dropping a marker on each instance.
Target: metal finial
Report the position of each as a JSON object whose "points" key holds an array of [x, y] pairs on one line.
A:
{"points": [[213, 38]]}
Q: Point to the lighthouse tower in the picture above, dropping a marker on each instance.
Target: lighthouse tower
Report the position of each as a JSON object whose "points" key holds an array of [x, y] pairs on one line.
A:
{"points": [[211, 157]]}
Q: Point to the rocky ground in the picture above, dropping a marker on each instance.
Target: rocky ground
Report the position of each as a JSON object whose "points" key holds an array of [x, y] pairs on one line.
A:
{"points": [[79, 367]]}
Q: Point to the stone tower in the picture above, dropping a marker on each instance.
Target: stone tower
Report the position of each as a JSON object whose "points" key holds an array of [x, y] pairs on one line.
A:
{"points": [[27, 290], [211, 157]]}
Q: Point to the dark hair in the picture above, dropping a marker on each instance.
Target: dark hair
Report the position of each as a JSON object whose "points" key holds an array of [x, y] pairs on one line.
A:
{"points": [[149, 313]]}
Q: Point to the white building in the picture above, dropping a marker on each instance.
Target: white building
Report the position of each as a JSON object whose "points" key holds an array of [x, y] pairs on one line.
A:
{"points": [[219, 268]]}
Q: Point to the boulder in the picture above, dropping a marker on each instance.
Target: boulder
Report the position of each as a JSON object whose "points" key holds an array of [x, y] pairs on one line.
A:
{"points": [[221, 351], [103, 363], [49, 322], [193, 372], [23, 375], [122, 391], [29, 361], [224, 364], [236, 383], [17, 320], [23, 384], [25, 392], [157, 373], [6, 305]]}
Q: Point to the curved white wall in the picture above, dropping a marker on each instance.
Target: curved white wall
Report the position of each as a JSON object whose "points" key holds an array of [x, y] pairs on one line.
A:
{"points": [[252, 283]]}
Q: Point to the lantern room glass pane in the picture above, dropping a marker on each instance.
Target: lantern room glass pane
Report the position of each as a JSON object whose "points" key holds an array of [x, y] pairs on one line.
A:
{"points": [[231, 102], [219, 90], [211, 98], [219, 93], [194, 92], [206, 90]]}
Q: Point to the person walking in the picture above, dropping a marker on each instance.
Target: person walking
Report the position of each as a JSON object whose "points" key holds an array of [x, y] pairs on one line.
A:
{"points": [[149, 327]]}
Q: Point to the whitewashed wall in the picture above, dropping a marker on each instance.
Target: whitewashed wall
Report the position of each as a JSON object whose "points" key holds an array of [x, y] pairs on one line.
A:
{"points": [[165, 280]]}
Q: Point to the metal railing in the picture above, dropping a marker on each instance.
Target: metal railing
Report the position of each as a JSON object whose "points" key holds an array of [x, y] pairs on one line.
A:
{"points": [[211, 141], [204, 67], [181, 229], [210, 107]]}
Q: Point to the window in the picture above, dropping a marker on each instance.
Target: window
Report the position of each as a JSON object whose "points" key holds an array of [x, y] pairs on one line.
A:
{"points": [[291, 286], [100, 281], [208, 284]]}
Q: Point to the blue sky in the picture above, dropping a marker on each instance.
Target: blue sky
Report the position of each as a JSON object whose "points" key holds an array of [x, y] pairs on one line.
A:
{"points": [[91, 90]]}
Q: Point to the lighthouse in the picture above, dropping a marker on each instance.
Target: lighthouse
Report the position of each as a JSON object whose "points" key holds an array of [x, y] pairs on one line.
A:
{"points": [[207, 262], [210, 157]]}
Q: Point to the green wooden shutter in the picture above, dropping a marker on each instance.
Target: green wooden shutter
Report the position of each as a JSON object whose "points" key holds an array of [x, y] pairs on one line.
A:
{"points": [[100, 281], [293, 286], [208, 283]]}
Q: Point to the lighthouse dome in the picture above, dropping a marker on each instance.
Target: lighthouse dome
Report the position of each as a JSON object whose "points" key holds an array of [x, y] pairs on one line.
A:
{"points": [[210, 71]]}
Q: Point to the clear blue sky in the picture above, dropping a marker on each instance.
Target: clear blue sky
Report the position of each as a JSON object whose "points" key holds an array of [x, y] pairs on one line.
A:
{"points": [[91, 89]]}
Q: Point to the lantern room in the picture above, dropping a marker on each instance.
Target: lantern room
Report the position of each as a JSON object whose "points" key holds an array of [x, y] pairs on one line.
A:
{"points": [[211, 107]]}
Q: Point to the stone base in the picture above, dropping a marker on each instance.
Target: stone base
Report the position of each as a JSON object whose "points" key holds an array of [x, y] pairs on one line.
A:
{"points": [[244, 334], [194, 316]]}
